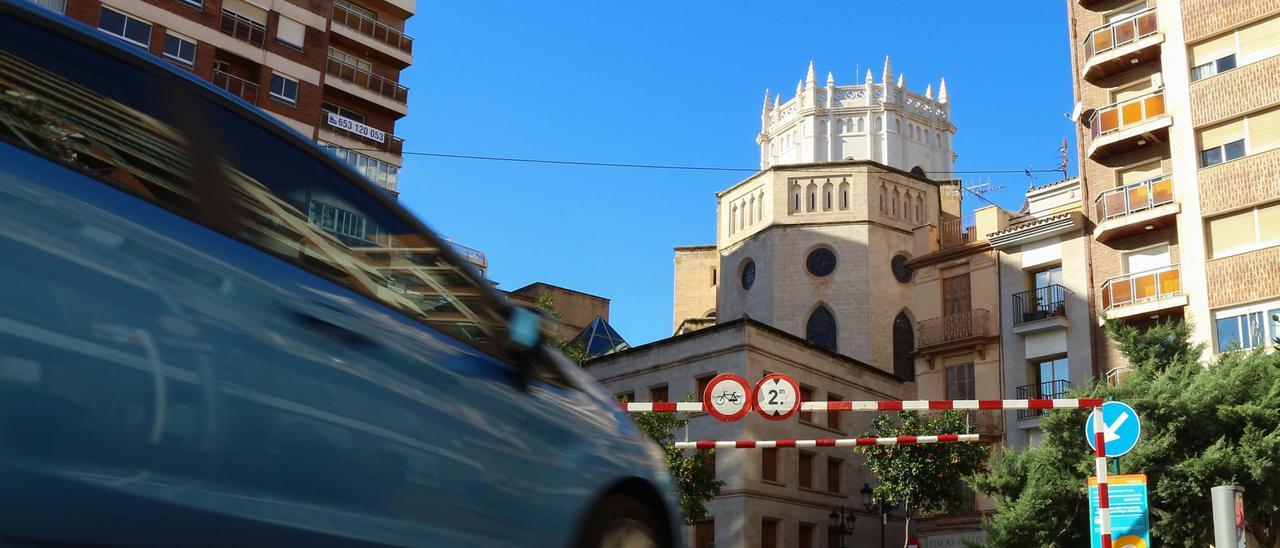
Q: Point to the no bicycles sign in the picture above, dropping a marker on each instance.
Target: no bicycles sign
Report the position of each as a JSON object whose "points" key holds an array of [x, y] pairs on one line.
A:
{"points": [[727, 397]]}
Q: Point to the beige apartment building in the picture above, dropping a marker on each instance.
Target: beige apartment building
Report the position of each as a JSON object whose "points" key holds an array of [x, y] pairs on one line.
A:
{"points": [[1179, 113]]}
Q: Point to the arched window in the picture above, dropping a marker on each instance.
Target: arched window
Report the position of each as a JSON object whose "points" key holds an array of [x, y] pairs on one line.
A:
{"points": [[844, 195], [878, 124], [795, 198], [896, 199], [821, 329], [733, 220], [904, 344], [827, 192], [751, 211], [920, 209], [860, 125], [812, 191], [760, 207], [884, 194], [917, 171]]}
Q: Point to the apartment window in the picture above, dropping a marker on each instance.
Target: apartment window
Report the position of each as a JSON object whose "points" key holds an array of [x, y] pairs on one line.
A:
{"points": [[1052, 376], [1152, 258], [833, 418], [1244, 231], [960, 385], [806, 469], [350, 59], [955, 295], [1139, 173], [713, 276], [384, 174], [658, 393], [769, 464], [222, 66], [704, 534], [128, 28], [807, 531], [1247, 327], [703, 381], [340, 221], [284, 88], [358, 10], [342, 111], [180, 50], [768, 533], [806, 394], [1239, 48], [194, 3], [58, 6], [1254, 134], [833, 474], [625, 396], [291, 33]]}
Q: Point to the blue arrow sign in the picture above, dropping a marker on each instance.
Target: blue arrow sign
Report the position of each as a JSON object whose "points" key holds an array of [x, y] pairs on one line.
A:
{"points": [[1121, 428]]}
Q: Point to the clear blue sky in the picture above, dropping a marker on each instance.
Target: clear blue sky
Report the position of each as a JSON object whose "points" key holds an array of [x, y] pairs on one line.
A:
{"points": [[680, 82]]}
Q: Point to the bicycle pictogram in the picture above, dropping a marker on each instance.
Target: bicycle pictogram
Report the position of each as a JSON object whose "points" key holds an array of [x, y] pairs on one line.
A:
{"points": [[727, 396]]}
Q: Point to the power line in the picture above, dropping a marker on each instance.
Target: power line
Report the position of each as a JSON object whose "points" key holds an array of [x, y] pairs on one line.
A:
{"points": [[653, 166]]}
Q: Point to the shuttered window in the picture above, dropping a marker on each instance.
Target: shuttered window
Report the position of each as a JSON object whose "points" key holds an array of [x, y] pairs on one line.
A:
{"points": [[1208, 52], [291, 32], [1138, 174], [246, 10], [1244, 231], [1259, 40], [1264, 131]]}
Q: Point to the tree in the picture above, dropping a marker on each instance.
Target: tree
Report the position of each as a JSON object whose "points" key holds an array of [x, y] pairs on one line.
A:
{"points": [[577, 353], [693, 473], [1203, 424], [925, 478]]}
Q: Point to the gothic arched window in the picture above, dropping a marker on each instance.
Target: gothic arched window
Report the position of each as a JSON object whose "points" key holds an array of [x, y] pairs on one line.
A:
{"points": [[917, 171], [904, 344], [821, 329]]}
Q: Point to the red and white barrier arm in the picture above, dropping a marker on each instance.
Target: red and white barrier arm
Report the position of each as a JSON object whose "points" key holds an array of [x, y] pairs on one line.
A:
{"points": [[886, 405], [847, 442], [1100, 463]]}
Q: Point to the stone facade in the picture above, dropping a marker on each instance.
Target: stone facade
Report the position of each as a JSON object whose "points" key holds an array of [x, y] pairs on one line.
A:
{"points": [[697, 278], [576, 308]]}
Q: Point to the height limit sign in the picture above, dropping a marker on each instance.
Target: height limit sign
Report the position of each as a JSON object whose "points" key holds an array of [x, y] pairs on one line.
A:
{"points": [[777, 397]]}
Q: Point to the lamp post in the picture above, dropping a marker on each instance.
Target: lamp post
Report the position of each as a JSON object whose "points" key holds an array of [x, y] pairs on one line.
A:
{"points": [[842, 523], [877, 504]]}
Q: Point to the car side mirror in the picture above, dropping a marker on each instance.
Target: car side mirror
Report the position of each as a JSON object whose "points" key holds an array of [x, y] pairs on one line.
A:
{"points": [[524, 330]]}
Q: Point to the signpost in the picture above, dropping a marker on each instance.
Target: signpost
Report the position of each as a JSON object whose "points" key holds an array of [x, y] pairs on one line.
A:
{"points": [[777, 397], [1120, 428], [1130, 525], [727, 397]]}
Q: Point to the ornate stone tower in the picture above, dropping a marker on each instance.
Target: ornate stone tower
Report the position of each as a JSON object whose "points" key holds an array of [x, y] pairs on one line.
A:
{"points": [[884, 123]]}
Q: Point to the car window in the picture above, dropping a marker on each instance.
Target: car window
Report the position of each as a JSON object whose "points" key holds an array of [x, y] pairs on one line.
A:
{"points": [[138, 129]]}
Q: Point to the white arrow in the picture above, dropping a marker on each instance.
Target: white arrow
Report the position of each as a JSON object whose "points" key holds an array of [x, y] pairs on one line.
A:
{"points": [[1109, 430]]}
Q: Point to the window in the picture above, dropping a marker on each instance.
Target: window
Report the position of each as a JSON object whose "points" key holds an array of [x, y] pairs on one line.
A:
{"points": [[1139, 173], [180, 50], [960, 385], [955, 295], [1244, 231], [222, 66], [1244, 46], [658, 393], [806, 535], [291, 33], [350, 59], [128, 28], [342, 111], [806, 469], [1253, 134], [904, 347], [769, 464], [833, 474], [820, 330], [821, 262], [384, 174], [806, 394], [625, 396], [1143, 260], [341, 221], [195, 3], [713, 276], [1247, 327], [748, 274], [358, 10], [246, 11], [703, 381], [1052, 377], [768, 533], [284, 89], [704, 532], [833, 417]]}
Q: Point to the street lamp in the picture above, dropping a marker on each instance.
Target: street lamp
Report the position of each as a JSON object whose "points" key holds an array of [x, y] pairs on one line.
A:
{"points": [[842, 523], [877, 504]]}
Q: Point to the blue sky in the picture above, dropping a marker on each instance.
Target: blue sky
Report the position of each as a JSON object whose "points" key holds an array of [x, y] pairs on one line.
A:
{"points": [[681, 82]]}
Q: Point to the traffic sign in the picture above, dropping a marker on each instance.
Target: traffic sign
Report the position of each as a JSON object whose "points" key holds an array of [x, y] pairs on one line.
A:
{"points": [[1120, 428], [1130, 523], [777, 397], [727, 397]]}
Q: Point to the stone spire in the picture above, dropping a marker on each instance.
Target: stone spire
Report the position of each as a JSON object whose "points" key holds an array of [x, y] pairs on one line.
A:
{"points": [[902, 80], [799, 88], [831, 79], [942, 91], [810, 79], [928, 91], [887, 76], [777, 101], [869, 80], [765, 108]]}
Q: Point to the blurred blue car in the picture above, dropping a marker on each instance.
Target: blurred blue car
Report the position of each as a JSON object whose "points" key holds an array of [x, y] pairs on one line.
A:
{"points": [[212, 333]]}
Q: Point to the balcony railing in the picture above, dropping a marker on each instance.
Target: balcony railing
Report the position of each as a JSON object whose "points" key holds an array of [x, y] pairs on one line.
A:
{"points": [[1048, 390], [371, 28], [1118, 116], [378, 84], [390, 143], [954, 327], [1039, 303], [243, 28], [239, 87], [472, 255], [1134, 198], [1122, 32], [957, 232], [1140, 287]]}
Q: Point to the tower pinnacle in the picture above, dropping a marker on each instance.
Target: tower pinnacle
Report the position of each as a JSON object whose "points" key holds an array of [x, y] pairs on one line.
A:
{"points": [[942, 91], [887, 76]]}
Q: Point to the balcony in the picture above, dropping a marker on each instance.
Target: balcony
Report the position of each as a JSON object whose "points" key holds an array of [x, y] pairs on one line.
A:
{"points": [[356, 136], [1135, 209], [1049, 390], [955, 329], [380, 35], [365, 84], [1123, 127], [1143, 293], [1117, 46], [474, 256], [243, 28], [1040, 309], [957, 232], [237, 86]]}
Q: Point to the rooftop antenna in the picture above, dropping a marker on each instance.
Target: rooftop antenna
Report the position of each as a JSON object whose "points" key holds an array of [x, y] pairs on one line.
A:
{"points": [[1063, 155], [1030, 175], [983, 186]]}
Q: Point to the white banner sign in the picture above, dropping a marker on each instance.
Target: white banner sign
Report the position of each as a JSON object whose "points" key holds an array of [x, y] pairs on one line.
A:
{"points": [[356, 127]]}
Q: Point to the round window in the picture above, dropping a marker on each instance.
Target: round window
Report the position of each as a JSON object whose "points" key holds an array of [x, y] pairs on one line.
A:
{"points": [[821, 262], [900, 269], [748, 274]]}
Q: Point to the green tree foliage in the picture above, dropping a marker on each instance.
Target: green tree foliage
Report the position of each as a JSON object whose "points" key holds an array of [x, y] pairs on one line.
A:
{"points": [[1202, 425], [923, 478], [693, 472], [577, 353]]}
